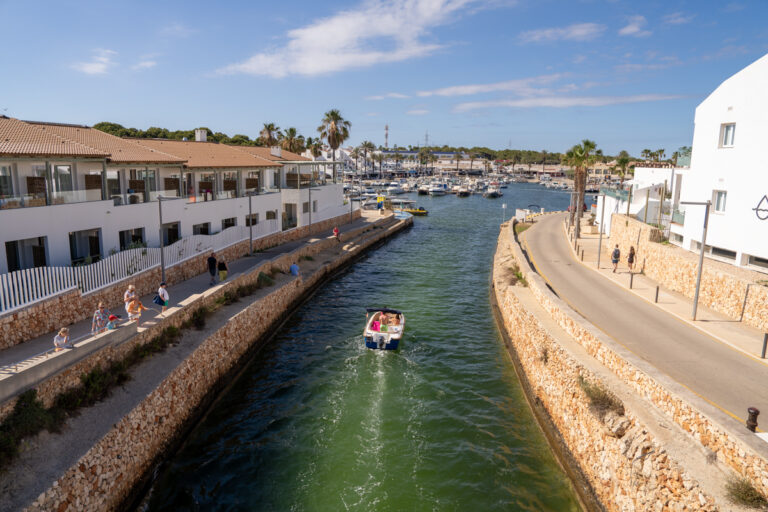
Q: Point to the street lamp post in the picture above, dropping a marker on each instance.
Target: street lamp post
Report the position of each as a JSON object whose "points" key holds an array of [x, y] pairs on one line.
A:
{"points": [[162, 244], [250, 224], [600, 239], [706, 205]]}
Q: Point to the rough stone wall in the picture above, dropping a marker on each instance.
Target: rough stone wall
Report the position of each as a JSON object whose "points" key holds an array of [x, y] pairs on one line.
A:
{"points": [[65, 309], [625, 466], [104, 477], [676, 404], [723, 286]]}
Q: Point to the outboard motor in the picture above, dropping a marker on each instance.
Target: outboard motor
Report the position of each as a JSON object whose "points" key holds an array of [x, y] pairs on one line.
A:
{"points": [[380, 342]]}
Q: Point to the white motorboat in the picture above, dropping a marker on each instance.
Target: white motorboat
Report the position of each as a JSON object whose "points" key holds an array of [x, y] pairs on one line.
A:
{"points": [[384, 328], [438, 189], [492, 193]]}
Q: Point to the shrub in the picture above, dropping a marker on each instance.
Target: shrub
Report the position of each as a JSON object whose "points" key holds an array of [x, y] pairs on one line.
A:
{"points": [[307, 258], [522, 226], [742, 492], [601, 399], [198, 318], [264, 280], [274, 271]]}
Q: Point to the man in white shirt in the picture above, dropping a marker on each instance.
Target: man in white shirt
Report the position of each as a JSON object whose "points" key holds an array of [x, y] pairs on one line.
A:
{"points": [[162, 292]]}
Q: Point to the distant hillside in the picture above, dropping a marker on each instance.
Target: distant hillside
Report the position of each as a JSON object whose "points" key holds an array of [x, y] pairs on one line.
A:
{"points": [[154, 132]]}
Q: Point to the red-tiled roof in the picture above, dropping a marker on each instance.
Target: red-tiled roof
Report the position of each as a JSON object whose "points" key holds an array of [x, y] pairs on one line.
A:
{"points": [[20, 139], [119, 150], [266, 153], [205, 155]]}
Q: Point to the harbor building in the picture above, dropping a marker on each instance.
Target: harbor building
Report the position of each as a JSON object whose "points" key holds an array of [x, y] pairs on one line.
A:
{"points": [[728, 168], [70, 194]]}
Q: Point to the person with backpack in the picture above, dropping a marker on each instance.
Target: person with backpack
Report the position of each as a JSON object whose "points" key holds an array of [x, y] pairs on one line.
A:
{"points": [[615, 256]]}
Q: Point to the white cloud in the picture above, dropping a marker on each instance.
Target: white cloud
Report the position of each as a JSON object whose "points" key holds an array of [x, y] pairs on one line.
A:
{"points": [[389, 95], [635, 27], [576, 32], [375, 32], [677, 18], [523, 86], [417, 112], [563, 101], [99, 64], [176, 30], [144, 64]]}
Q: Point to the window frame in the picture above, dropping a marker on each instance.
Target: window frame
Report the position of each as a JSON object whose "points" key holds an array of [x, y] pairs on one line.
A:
{"points": [[715, 202], [724, 132]]}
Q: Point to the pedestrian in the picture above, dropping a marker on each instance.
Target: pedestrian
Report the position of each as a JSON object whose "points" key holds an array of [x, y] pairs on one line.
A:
{"points": [[631, 258], [100, 318], [223, 270], [336, 234], [129, 295], [61, 340], [615, 256], [294, 268], [134, 311], [162, 292], [212, 267]]}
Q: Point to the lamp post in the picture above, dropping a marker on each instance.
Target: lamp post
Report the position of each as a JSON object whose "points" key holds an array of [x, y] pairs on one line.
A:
{"points": [[600, 239], [706, 205], [162, 244], [250, 223]]}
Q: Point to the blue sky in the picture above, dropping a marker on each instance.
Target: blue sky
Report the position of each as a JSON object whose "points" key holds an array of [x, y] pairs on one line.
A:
{"points": [[531, 74]]}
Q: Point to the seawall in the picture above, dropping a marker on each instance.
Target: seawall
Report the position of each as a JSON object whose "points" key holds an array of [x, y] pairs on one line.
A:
{"points": [[655, 448], [106, 476]]}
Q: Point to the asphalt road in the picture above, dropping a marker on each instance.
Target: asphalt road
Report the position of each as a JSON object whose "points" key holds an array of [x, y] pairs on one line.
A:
{"points": [[723, 376]]}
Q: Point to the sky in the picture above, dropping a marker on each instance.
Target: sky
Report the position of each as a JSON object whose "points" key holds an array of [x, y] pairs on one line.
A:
{"points": [[520, 74]]}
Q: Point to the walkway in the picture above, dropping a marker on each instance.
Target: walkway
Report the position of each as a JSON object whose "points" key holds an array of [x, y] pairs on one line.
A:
{"points": [[715, 357], [179, 294]]}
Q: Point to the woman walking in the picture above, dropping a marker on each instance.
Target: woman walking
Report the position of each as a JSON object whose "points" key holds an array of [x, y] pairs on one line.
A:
{"points": [[223, 270], [631, 258]]}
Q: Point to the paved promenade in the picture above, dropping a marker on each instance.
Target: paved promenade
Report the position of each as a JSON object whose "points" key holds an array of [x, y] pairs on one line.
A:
{"points": [[180, 294], [715, 357]]}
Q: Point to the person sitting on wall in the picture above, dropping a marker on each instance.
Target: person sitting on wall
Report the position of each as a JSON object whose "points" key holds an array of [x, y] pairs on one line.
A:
{"points": [[294, 268], [61, 340], [134, 311], [112, 323], [100, 318]]}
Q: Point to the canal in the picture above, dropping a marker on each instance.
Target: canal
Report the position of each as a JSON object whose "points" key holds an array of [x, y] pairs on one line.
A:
{"points": [[317, 422]]}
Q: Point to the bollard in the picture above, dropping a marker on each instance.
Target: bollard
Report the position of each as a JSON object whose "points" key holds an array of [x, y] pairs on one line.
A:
{"points": [[765, 344], [752, 419], [631, 278], [582, 255], [656, 300]]}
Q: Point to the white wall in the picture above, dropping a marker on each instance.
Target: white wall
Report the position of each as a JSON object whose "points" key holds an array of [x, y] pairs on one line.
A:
{"points": [[739, 170]]}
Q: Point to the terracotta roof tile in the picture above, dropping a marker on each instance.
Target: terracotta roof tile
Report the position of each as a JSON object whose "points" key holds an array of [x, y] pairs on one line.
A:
{"points": [[21, 139], [119, 150], [205, 155], [266, 153]]}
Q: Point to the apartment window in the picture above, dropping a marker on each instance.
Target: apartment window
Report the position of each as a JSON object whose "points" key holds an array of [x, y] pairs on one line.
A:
{"points": [[228, 223], [171, 233], [718, 200], [23, 254], [271, 215], [723, 253], [132, 238], [305, 207], [6, 183], [201, 229], [727, 134], [252, 220], [758, 262], [314, 206]]}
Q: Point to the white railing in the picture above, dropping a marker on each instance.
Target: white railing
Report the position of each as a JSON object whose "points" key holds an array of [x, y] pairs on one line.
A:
{"points": [[24, 287]]}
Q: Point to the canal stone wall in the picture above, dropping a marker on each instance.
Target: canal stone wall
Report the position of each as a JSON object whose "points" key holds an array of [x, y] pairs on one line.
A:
{"points": [[65, 309], [723, 286], [108, 473], [626, 464]]}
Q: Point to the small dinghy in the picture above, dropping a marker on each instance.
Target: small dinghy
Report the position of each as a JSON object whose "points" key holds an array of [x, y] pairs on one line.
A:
{"points": [[383, 328]]}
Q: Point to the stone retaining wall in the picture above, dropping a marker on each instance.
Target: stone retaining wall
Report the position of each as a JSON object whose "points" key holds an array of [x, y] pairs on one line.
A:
{"points": [[742, 452], [65, 309], [723, 286], [624, 465], [105, 476]]}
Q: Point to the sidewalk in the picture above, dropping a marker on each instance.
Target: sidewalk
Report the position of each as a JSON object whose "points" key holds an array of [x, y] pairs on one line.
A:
{"points": [[731, 332], [180, 294]]}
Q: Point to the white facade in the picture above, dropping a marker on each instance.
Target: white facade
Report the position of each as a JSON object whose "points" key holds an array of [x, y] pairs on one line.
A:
{"points": [[728, 167]]}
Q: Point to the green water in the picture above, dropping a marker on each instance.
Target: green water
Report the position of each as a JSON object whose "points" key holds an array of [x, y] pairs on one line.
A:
{"points": [[317, 422]]}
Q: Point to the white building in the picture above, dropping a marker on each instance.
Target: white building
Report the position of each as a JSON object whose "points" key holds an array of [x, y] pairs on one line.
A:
{"points": [[728, 168], [71, 194]]}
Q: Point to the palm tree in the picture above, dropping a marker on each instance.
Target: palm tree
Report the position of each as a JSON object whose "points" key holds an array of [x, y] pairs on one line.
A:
{"points": [[269, 134], [622, 163], [646, 154], [316, 148], [432, 159], [579, 157], [660, 154], [334, 129], [292, 141], [457, 157], [472, 157], [367, 147]]}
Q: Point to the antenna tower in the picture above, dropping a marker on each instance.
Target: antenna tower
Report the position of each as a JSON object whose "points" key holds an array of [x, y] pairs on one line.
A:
{"points": [[386, 136]]}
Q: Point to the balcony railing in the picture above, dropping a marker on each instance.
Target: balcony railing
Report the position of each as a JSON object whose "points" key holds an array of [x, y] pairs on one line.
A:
{"points": [[678, 217], [621, 195]]}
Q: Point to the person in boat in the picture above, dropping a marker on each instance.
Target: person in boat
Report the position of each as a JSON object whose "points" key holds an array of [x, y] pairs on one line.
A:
{"points": [[394, 320]]}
